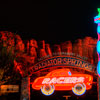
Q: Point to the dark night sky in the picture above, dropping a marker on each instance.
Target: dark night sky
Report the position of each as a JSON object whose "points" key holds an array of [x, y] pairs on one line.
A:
{"points": [[52, 21]]}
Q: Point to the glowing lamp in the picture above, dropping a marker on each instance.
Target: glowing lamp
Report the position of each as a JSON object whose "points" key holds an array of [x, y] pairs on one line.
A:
{"points": [[98, 28], [98, 68], [98, 11], [98, 46], [97, 18]]}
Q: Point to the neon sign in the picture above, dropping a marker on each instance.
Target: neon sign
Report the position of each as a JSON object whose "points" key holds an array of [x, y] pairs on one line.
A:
{"points": [[60, 79], [47, 90], [61, 61], [79, 89]]}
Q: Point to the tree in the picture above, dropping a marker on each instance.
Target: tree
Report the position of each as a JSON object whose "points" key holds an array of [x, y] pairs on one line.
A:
{"points": [[7, 71]]}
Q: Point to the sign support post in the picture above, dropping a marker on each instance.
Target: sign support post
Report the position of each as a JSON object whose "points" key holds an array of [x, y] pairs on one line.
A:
{"points": [[25, 88]]}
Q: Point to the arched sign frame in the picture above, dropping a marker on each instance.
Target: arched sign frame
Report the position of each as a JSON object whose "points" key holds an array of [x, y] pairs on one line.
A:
{"points": [[62, 61]]}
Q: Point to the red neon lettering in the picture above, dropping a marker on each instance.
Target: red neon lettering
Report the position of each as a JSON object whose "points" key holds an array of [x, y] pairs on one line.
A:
{"points": [[73, 80], [46, 81], [80, 79], [59, 61], [53, 80], [61, 80], [66, 80]]}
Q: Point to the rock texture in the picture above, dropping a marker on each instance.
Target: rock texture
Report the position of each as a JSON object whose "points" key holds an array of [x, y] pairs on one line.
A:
{"points": [[33, 50]]}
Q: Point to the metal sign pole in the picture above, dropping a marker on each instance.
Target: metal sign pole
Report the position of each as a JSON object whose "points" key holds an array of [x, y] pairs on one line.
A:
{"points": [[25, 88]]}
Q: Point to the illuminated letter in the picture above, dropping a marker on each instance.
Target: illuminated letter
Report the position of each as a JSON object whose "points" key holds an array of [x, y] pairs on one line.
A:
{"points": [[66, 79], [60, 80], [46, 81], [73, 80], [53, 80], [59, 61], [83, 65], [80, 79]]}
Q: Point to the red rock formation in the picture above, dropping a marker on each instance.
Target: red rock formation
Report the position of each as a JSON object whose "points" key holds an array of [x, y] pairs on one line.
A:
{"points": [[48, 49], [92, 46], [19, 44], [77, 47], [57, 49], [27, 45], [84, 47], [41, 49], [66, 47], [32, 47], [7, 40], [3, 38]]}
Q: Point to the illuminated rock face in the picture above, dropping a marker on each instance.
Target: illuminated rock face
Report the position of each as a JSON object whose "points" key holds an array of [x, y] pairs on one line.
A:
{"points": [[32, 50], [57, 49], [66, 47], [7, 40], [32, 47], [77, 47], [41, 49], [48, 49], [19, 44], [11, 41]]}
